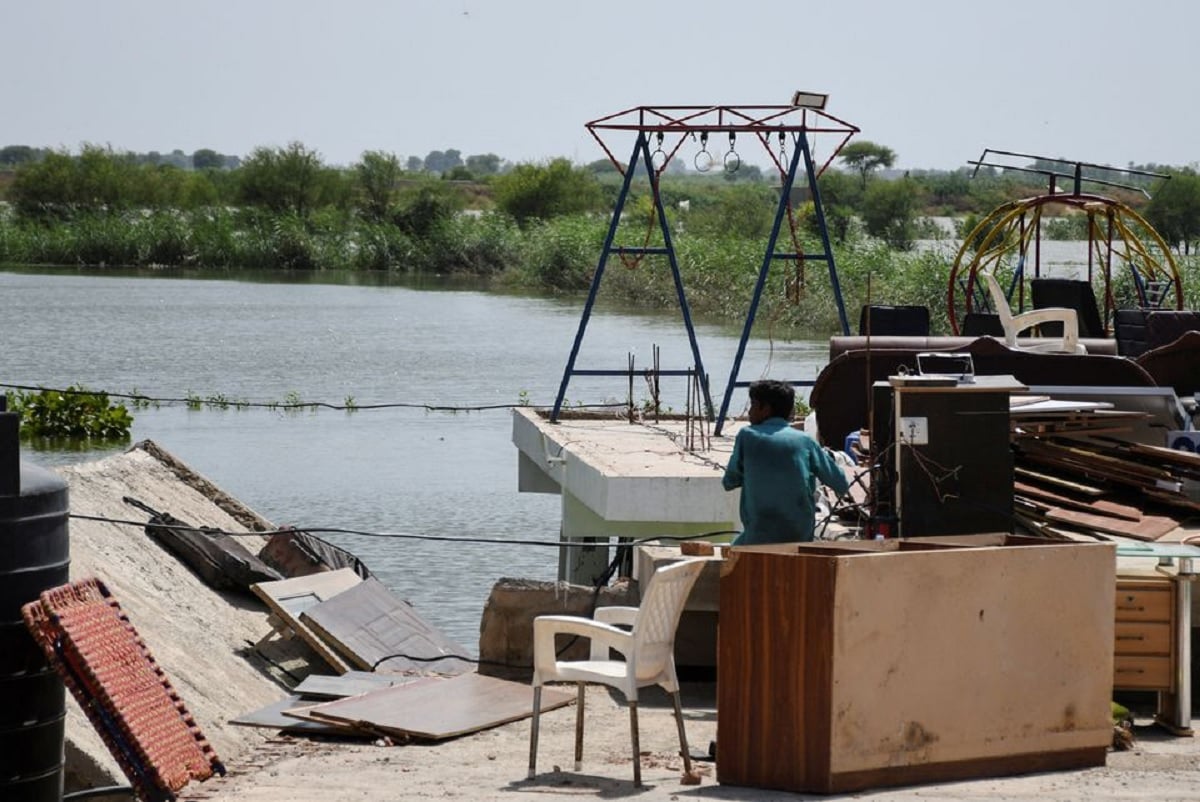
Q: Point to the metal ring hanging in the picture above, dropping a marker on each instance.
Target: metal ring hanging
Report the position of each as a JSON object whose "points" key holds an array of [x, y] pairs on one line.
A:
{"points": [[658, 159], [703, 160], [732, 160]]}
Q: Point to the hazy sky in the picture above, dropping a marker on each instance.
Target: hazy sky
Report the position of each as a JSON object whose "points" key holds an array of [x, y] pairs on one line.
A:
{"points": [[935, 80]]}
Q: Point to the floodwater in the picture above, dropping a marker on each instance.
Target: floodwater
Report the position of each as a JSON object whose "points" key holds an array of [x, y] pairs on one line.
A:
{"points": [[393, 470]]}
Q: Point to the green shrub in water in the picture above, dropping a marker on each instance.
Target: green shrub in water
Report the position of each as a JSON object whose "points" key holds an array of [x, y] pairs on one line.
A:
{"points": [[74, 413]]}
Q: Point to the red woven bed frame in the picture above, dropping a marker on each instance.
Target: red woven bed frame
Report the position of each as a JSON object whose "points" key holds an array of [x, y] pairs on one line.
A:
{"points": [[90, 642]]}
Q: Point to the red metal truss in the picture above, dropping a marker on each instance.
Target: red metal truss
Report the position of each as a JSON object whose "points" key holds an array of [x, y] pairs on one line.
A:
{"points": [[671, 125]]}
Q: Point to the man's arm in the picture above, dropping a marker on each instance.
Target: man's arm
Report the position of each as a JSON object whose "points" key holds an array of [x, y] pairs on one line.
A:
{"points": [[733, 471], [828, 470]]}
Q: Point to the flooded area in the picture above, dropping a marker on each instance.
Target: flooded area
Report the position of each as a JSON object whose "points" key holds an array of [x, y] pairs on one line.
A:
{"points": [[398, 469]]}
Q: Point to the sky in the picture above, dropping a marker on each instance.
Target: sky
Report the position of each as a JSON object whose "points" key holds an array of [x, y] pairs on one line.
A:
{"points": [[937, 81]]}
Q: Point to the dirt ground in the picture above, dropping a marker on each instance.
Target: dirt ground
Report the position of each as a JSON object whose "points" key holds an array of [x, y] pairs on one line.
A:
{"points": [[492, 765], [174, 611]]}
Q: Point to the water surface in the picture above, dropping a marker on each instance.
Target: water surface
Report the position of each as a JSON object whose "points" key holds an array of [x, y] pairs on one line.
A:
{"points": [[399, 469]]}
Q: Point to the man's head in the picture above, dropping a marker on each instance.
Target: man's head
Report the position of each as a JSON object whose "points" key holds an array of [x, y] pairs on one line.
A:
{"points": [[771, 399]]}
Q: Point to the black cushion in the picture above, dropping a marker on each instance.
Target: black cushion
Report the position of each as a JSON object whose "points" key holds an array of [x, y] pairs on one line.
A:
{"points": [[1165, 326], [982, 324], [1129, 326], [1072, 294], [907, 321]]}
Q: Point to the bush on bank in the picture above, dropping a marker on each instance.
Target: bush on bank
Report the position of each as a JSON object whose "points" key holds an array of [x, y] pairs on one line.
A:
{"points": [[537, 228]]}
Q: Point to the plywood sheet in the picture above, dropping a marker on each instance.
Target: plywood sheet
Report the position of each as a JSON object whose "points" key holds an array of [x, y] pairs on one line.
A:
{"points": [[289, 598], [373, 629], [272, 717], [436, 708], [1102, 506], [352, 683], [1150, 527]]}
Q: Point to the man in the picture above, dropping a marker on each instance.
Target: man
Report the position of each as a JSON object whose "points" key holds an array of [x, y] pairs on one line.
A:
{"points": [[777, 468]]}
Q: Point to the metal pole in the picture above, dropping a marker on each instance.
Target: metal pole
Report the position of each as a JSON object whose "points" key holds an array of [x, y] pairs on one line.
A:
{"points": [[784, 199], [640, 146], [683, 304]]}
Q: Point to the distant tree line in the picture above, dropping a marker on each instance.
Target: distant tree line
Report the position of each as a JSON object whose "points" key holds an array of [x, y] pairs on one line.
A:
{"points": [[416, 196]]}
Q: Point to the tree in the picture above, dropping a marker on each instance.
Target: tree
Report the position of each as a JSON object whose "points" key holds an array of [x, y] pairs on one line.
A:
{"points": [[375, 180], [104, 179], [440, 161], [483, 164], [206, 159], [601, 166], [1174, 209], [420, 211], [286, 179], [866, 157], [415, 164], [13, 155], [531, 191], [889, 210], [44, 188]]}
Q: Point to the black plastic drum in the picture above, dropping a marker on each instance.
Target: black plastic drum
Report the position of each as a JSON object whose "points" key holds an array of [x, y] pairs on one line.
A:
{"points": [[34, 556]]}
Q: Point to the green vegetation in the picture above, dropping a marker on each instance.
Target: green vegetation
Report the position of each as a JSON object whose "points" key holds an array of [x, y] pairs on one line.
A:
{"points": [[72, 413], [528, 226]]}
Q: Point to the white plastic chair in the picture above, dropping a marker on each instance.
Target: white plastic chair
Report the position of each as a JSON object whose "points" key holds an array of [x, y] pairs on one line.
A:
{"points": [[648, 648], [1015, 324]]}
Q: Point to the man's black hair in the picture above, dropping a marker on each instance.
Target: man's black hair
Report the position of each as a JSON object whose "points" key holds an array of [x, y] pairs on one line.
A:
{"points": [[777, 396]]}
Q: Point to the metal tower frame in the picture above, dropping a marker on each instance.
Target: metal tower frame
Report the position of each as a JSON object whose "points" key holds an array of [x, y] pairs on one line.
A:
{"points": [[671, 126]]}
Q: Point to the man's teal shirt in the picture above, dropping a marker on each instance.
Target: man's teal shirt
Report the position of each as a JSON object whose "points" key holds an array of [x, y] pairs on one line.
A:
{"points": [[777, 468]]}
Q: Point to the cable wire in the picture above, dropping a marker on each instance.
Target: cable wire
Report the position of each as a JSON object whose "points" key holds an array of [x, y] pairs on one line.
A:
{"points": [[220, 402], [397, 535]]}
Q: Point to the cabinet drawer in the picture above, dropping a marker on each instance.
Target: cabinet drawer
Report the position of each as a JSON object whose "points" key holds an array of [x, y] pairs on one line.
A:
{"points": [[1141, 637], [1141, 672], [1142, 603]]}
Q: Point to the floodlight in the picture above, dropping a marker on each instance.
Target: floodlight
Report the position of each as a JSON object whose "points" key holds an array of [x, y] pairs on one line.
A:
{"points": [[810, 100]]}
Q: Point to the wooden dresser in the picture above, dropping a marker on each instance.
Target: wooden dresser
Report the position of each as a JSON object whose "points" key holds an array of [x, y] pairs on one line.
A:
{"points": [[844, 666], [1147, 644]]}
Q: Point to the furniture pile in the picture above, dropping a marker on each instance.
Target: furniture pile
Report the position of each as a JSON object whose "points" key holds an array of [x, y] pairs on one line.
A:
{"points": [[1075, 475]]}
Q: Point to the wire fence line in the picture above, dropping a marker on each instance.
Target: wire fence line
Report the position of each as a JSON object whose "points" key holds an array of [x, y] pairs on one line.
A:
{"points": [[220, 401]]}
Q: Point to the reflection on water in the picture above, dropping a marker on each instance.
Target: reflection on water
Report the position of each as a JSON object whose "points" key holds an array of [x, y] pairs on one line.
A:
{"points": [[397, 469]]}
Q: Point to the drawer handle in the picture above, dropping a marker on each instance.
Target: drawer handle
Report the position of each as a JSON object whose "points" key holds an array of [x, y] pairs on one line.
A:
{"points": [[1132, 608], [1131, 671], [1131, 637]]}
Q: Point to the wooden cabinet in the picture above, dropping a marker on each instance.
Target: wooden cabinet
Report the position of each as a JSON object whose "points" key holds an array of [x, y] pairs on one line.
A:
{"points": [[1146, 644], [1144, 635], [854, 665]]}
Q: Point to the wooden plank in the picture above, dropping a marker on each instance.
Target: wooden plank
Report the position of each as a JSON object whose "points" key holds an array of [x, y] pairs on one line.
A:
{"points": [[1058, 481], [1172, 499], [1096, 460], [374, 630], [1151, 527], [436, 709], [1185, 459], [1103, 506], [273, 717], [289, 598], [1096, 468], [352, 683]]}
